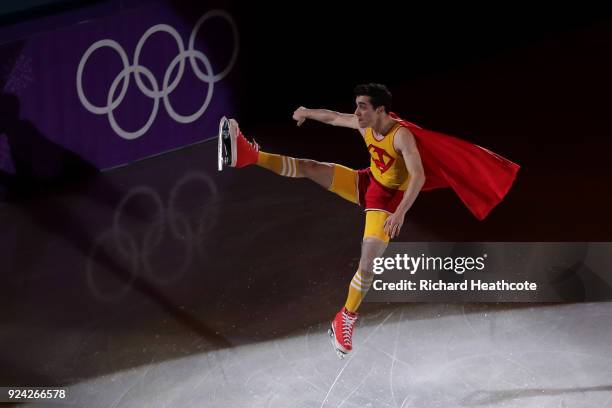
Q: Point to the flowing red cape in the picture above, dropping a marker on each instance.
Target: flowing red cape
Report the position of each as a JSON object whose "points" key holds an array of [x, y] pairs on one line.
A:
{"points": [[478, 176]]}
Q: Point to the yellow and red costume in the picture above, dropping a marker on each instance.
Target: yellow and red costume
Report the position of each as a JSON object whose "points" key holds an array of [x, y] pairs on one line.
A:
{"points": [[378, 188]]}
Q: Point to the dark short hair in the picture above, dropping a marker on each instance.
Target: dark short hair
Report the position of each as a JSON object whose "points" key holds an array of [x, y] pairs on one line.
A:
{"points": [[378, 93]]}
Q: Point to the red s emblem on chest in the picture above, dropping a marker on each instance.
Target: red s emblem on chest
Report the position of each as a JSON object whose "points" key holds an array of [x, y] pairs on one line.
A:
{"points": [[381, 158]]}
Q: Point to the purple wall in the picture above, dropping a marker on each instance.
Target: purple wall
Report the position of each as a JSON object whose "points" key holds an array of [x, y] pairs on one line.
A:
{"points": [[123, 86]]}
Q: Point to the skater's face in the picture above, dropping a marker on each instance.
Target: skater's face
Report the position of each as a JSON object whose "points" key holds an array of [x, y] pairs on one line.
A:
{"points": [[366, 114]]}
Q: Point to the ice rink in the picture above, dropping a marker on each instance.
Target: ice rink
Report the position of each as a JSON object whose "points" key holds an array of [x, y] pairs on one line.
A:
{"points": [[406, 356], [144, 287]]}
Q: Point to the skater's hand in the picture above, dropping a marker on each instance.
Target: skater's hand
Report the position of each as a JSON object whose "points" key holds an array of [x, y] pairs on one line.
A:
{"points": [[393, 224], [300, 115]]}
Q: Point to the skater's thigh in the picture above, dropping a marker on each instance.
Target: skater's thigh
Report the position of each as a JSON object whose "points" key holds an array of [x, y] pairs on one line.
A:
{"points": [[375, 239], [375, 225], [345, 183]]}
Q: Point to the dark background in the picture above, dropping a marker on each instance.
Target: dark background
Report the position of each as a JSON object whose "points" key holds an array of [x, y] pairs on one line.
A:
{"points": [[530, 84], [315, 52]]}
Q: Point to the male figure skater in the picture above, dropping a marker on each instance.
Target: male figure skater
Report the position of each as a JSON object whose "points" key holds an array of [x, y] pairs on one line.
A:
{"points": [[388, 188]]}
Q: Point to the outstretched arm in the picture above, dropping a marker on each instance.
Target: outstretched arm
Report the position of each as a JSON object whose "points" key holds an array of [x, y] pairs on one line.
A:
{"points": [[405, 144], [329, 117]]}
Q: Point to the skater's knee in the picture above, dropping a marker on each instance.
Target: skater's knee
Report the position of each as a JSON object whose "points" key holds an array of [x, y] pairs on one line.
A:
{"points": [[366, 265], [370, 250], [308, 167], [314, 169]]}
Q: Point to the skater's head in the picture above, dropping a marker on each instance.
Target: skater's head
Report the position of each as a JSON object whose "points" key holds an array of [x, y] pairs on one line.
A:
{"points": [[373, 101]]}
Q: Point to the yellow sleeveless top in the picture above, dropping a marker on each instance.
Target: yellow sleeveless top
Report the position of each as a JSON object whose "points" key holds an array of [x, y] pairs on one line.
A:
{"points": [[386, 164]]}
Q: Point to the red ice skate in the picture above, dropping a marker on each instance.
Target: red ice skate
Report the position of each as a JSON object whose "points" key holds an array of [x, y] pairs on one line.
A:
{"points": [[341, 332], [232, 147]]}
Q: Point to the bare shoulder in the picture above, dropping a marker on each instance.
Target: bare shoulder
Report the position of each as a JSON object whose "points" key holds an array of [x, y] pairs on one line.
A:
{"points": [[404, 133], [404, 139]]}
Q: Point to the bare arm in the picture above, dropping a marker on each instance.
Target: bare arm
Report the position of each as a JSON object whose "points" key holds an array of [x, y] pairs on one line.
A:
{"points": [[329, 117], [405, 144]]}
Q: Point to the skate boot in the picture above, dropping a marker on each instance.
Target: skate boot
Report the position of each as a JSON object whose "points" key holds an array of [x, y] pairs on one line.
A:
{"points": [[341, 332], [233, 150]]}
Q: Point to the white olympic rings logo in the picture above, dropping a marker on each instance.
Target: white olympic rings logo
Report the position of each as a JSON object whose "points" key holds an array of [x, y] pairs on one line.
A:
{"points": [[168, 85]]}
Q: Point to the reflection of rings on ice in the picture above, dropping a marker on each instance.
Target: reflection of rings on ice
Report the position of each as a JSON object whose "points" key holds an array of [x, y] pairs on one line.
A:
{"points": [[208, 213], [107, 242], [174, 273], [159, 221], [166, 229]]}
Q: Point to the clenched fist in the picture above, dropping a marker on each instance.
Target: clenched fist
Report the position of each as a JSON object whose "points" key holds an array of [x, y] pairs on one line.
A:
{"points": [[300, 115]]}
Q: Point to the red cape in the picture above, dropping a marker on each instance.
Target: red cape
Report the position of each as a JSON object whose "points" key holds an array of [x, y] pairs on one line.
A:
{"points": [[480, 177]]}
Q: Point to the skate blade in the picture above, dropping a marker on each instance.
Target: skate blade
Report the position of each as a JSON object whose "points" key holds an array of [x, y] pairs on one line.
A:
{"points": [[220, 160], [341, 354], [223, 144]]}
